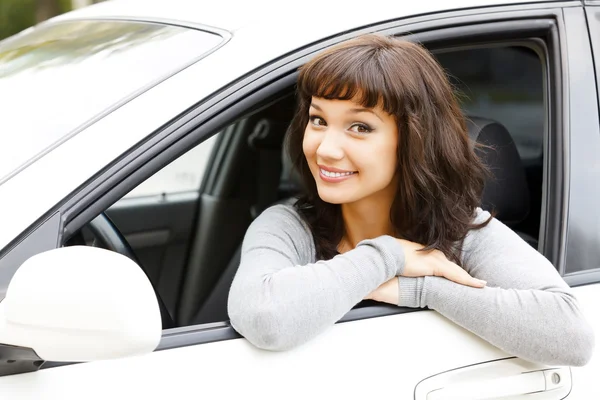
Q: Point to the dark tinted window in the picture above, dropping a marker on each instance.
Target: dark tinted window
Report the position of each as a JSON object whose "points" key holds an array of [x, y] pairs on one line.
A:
{"points": [[504, 84]]}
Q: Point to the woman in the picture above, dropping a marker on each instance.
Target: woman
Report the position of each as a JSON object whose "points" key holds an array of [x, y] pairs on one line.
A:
{"points": [[391, 214]]}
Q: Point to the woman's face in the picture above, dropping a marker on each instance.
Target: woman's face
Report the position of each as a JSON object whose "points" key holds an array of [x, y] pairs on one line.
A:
{"points": [[351, 150]]}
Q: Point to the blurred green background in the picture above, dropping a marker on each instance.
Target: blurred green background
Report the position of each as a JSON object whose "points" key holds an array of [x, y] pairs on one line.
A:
{"points": [[17, 15]]}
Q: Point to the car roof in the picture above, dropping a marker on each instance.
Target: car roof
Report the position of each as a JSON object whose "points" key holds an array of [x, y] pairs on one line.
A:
{"points": [[236, 15]]}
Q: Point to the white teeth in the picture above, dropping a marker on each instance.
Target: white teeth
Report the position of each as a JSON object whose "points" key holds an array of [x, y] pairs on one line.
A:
{"points": [[335, 174]]}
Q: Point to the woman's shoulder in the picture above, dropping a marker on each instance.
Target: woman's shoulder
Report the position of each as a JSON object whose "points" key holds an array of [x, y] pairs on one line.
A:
{"points": [[282, 215], [493, 234], [281, 226], [483, 221], [282, 219]]}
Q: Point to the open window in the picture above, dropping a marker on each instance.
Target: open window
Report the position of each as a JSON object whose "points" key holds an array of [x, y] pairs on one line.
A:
{"points": [[188, 241]]}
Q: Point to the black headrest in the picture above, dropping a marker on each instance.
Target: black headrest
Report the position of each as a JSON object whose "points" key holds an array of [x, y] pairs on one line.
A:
{"points": [[506, 191], [291, 182]]}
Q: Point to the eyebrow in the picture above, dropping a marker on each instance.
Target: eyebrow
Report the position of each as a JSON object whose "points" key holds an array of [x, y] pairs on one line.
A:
{"points": [[362, 109], [352, 110]]}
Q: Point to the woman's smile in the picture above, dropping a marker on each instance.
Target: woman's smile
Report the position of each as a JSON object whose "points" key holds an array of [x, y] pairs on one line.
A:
{"points": [[352, 147], [334, 175]]}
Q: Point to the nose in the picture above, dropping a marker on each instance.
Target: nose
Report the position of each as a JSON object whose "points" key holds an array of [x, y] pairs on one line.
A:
{"points": [[331, 147]]}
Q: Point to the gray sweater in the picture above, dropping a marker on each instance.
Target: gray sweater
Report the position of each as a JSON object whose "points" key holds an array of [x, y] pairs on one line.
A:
{"points": [[282, 296]]}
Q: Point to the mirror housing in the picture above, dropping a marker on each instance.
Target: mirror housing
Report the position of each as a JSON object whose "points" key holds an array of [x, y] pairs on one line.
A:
{"points": [[78, 304]]}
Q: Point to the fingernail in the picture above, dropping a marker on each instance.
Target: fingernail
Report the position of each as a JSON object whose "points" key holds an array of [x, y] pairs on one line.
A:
{"points": [[482, 282]]}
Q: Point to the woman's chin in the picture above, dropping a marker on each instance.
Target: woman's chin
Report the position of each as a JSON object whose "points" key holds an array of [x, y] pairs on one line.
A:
{"points": [[333, 196]]}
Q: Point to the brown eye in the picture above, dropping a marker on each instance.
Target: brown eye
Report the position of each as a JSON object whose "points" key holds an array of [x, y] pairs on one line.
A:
{"points": [[361, 128], [317, 121]]}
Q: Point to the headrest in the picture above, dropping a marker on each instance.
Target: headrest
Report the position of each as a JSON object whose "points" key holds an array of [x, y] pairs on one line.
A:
{"points": [[506, 191], [270, 125], [291, 182]]}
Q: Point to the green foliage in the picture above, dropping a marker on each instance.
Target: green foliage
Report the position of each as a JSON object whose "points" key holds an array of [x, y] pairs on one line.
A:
{"points": [[17, 15], [63, 5]]}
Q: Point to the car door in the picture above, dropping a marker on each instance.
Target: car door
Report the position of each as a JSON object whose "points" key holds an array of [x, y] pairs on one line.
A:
{"points": [[158, 219], [380, 350]]}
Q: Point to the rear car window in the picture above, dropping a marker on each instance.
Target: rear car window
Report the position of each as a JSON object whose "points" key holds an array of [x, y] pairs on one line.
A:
{"points": [[505, 84], [57, 77]]}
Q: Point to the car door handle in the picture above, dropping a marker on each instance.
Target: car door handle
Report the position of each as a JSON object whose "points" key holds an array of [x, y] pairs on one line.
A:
{"points": [[510, 378], [517, 385]]}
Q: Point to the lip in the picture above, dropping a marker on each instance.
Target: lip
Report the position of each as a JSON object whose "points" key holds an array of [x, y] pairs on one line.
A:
{"points": [[334, 179], [331, 169]]}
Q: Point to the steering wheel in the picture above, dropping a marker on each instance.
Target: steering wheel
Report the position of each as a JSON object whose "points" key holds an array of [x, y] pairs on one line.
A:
{"points": [[109, 237]]}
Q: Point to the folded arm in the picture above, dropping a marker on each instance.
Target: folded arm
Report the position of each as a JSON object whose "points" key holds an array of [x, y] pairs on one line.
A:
{"points": [[526, 310], [281, 298]]}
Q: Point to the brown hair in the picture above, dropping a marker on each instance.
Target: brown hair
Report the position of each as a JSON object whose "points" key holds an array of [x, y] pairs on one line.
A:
{"points": [[440, 178]]}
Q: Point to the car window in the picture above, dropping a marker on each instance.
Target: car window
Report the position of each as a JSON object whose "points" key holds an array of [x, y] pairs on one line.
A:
{"points": [[190, 245], [254, 174], [57, 77], [504, 84], [182, 175]]}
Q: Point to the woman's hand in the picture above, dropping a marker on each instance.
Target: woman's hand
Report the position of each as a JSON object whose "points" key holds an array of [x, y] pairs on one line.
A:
{"points": [[386, 293], [423, 263], [434, 263]]}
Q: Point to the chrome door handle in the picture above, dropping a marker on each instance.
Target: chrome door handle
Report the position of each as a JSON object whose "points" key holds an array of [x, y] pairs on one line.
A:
{"points": [[509, 386], [503, 379]]}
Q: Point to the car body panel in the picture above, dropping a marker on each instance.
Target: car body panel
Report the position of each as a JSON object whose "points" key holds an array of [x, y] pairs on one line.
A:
{"points": [[343, 369], [385, 356], [378, 367], [584, 378]]}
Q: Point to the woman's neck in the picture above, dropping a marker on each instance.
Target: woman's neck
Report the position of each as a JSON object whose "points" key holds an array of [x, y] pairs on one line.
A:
{"points": [[366, 219]]}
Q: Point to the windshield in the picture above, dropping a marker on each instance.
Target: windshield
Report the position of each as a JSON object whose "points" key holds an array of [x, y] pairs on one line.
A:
{"points": [[57, 77]]}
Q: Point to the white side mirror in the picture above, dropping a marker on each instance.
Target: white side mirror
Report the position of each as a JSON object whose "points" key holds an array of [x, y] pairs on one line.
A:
{"points": [[80, 303]]}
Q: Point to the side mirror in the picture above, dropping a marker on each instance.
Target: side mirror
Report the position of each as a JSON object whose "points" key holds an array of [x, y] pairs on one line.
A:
{"points": [[77, 304]]}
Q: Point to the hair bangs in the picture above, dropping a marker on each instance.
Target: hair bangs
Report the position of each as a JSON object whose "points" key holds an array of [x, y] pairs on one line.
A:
{"points": [[342, 76]]}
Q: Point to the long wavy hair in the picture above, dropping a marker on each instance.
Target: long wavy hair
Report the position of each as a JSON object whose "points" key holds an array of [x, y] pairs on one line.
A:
{"points": [[440, 178]]}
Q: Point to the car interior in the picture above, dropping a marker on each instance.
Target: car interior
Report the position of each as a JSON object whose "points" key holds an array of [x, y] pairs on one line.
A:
{"points": [[505, 193], [189, 245]]}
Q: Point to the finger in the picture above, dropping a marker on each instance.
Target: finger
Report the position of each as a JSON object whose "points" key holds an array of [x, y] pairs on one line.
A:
{"points": [[453, 272]]}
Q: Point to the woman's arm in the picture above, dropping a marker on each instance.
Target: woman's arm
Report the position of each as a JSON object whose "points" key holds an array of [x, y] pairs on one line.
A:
{"points": [[526, 310], [280, 298]]}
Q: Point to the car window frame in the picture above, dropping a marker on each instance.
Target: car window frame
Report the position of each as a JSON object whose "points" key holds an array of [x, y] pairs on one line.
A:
{"points": [[208, 117], [222, 329]]}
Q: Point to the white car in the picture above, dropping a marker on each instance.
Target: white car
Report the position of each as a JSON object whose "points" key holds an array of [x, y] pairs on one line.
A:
{"points": [[139, 139]]}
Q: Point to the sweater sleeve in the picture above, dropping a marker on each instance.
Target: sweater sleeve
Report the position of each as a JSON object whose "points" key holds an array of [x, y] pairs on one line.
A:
{"points": [[526, 309], [280, 298]]}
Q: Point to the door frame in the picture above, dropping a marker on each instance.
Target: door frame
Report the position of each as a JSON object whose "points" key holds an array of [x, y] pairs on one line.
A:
{"points": [[583, 235], [204, 121]]}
